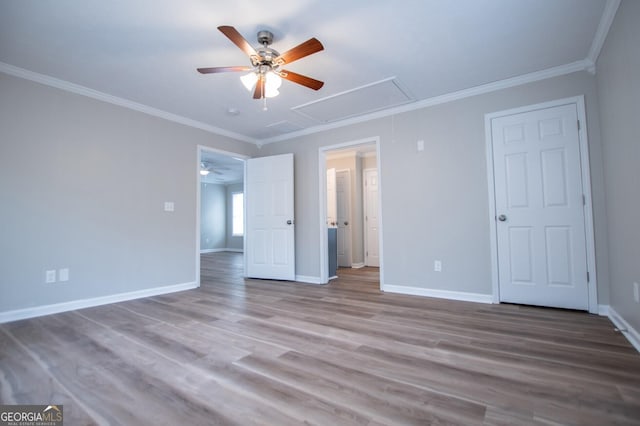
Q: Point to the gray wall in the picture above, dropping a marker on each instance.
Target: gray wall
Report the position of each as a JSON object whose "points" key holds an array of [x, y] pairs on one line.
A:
{"points": [[82, 185], [213, 216], [435, 202], [83, 182], [235, 243], [618, 74]]}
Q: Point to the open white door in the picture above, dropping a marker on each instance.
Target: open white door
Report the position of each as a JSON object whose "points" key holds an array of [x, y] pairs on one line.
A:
{"points": [[270, 237], [332, 201]]}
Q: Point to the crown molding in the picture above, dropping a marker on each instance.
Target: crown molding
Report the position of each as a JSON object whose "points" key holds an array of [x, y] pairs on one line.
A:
{"points": [[101, 96], [582, 65], [609, 13]]}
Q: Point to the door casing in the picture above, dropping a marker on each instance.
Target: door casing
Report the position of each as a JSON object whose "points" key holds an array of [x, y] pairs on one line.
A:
{"points": [[578, 101], [236, 155], [322, 201]]}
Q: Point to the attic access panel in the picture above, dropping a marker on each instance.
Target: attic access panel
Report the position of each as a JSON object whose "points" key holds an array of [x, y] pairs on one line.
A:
{"points": [[373, 97]]}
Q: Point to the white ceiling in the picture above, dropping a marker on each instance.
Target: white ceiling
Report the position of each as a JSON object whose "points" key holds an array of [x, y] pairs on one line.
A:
{"points": [[146, 52]]}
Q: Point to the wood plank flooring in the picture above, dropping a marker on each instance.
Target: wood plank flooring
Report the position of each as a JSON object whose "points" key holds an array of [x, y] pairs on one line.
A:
{"points": [[249, 352]]}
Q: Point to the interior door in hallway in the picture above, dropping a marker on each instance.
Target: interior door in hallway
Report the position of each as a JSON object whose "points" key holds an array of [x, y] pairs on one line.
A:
{"points": [[332, 199], [343, 200], [540, 218], [371, 222]]}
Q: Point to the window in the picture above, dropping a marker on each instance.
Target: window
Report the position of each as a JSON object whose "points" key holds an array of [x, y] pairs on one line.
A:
{"points": [[237, 206]]}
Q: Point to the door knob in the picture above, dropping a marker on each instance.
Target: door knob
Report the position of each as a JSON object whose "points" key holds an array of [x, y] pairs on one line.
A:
{"points": [[502, 218], [346, 224], [289, 222]]}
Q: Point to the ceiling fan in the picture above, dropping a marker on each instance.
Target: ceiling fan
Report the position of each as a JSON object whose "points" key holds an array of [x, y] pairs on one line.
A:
{"points": [[206, 168], [266, 72]]}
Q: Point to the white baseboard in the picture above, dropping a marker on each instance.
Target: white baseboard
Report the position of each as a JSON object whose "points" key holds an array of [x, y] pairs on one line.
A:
{"points": [[234, 250], [38, 311], [308, 279], [219, 250], [603, 310], [441, 294], [357, 265], [625, 328]]}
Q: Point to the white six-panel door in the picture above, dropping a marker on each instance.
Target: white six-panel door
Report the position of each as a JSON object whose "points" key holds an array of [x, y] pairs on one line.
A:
{"points": [[270, 238], [540, 220]]}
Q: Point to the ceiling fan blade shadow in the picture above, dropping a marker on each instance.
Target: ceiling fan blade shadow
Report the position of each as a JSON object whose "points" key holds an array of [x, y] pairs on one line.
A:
{"points": [[303, 80], [307, 48], [237, 39], [258, 92], [213, 70]]}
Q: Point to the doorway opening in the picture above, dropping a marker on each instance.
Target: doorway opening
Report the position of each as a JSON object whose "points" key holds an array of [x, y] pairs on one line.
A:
{"points": [[350, 220], [221, 178]]}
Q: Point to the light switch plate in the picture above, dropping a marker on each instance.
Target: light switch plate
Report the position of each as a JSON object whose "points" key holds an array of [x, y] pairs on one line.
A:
{"points": [[420, 145], [50, 276], [437, 266], [168, 206]]}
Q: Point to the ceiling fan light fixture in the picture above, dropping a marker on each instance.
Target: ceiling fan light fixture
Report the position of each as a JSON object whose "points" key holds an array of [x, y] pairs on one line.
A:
{"points": [[272, 83], [249, 80], [204, 168]]}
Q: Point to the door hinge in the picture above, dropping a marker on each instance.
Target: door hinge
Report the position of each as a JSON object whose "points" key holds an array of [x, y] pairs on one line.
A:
{"points": [[578, 124], [584, 200], [588, 278]]}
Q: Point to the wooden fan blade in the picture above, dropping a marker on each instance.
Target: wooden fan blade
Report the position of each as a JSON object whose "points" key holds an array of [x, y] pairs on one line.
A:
{"points": [[237, 39], [257, 94], [309, 82], [307, 48], [213, 70]]}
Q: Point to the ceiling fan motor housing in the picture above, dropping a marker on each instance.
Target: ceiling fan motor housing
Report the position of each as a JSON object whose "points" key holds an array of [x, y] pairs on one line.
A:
{"points": [[265, 37]]}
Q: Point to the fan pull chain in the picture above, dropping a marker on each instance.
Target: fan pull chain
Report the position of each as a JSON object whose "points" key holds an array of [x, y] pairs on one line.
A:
{"points": [[264, 103]]}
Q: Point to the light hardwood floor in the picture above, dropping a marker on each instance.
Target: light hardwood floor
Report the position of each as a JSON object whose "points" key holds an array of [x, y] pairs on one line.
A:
{"points": [[248, 352]]}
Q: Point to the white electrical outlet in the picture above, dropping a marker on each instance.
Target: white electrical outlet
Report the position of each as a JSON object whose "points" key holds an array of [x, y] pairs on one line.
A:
{"points": [[50, 276], [420, 145], [63, 274], [636, 292], [437, 266]]}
